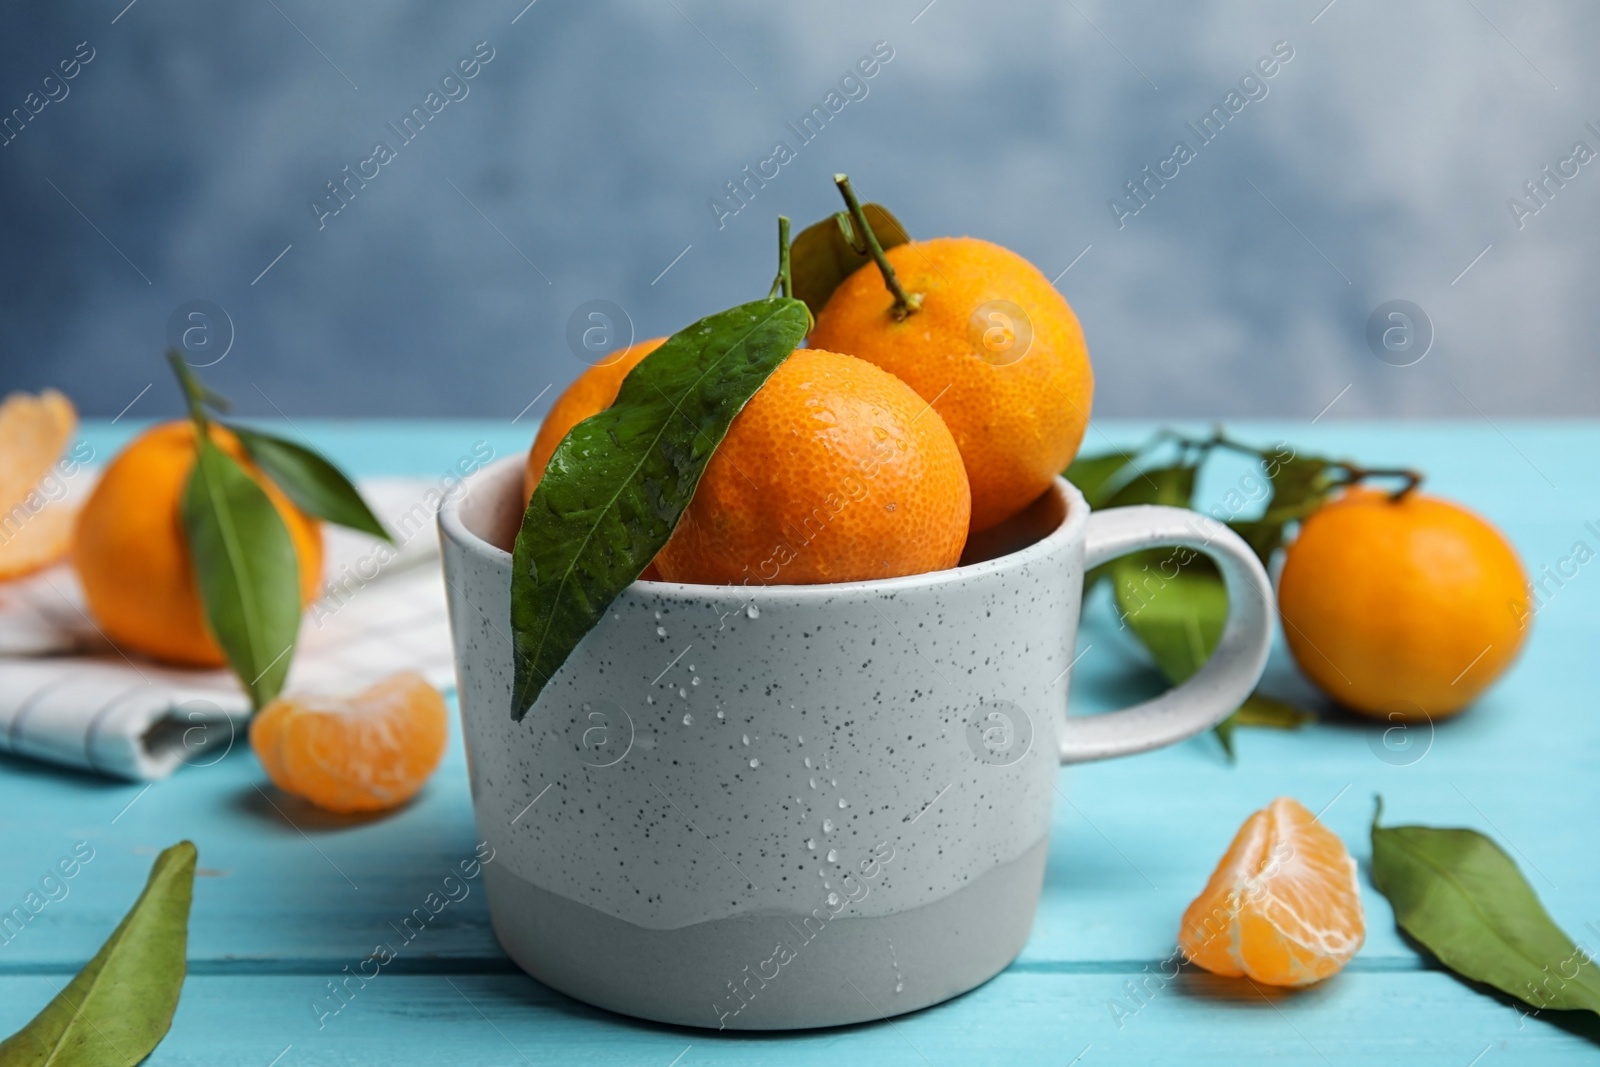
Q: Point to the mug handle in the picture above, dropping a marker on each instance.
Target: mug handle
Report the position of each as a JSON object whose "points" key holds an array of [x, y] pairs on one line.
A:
{"points": [[1227, 677]]}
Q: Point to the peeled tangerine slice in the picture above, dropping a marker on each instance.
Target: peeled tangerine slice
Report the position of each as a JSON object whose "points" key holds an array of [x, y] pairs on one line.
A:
{"points": [[34, 430], [1282, 907], [366, 752], [33, 540]]}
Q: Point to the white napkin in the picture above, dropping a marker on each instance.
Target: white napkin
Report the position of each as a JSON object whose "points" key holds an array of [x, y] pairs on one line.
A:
{"points": [[67, 695]]}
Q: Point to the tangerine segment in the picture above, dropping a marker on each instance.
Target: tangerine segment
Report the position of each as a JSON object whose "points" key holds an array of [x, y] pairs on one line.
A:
{"points": [[835, 471], [132, 556], [33, 432], [1282, 907], [591, 393], [1402, 608], [39, 540], [993, 346], [366, 752]]}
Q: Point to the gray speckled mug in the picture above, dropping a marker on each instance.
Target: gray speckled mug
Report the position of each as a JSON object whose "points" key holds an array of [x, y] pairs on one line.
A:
{"points": [[794, 806]]}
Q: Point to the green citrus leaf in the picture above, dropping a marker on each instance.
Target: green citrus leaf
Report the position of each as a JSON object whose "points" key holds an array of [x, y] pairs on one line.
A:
{"points": [[1462, 898], [120, 1005], [1263, 711], [1175, 603], [245, 568], [828, 252], [1098, 477], [618, 482], [1164, 485], [1300, 485], [316, 486]]}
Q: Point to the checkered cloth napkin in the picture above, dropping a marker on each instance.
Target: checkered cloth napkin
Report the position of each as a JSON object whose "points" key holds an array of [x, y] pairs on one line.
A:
{"points": [[67, 695]]}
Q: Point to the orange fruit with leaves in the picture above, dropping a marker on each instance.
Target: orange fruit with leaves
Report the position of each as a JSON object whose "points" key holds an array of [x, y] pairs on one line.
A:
{"points": [[991, 344], [591, 393], [835, 471], [1404, 608], [132, 557], [1283, 906], [35, 527], [367, 752]]}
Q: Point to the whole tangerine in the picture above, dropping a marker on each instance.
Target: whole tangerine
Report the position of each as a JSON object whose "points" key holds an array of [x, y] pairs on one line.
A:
{"points": [[835, 471], [132, 557], [992, 345], [1402, 607]]}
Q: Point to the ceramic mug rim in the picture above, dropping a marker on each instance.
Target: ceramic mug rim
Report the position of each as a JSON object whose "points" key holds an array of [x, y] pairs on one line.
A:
{"points": [[1068, 531]]}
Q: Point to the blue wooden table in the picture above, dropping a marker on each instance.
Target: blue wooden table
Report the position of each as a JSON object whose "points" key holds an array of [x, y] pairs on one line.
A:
{"points": [[287, 898]]}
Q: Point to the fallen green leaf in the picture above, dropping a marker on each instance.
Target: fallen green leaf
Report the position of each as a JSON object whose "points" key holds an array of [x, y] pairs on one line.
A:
{"points": [[828, 252], [119, 1007], [315, 486], [618, 482], [245, 569], [1462, 898]]}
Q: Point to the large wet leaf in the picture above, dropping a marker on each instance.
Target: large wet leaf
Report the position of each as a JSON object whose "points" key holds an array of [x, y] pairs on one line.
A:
{"points": [[120, 1005], [1462, 898], [316, 486], [828, 252], [618, 482], [245, 567]]}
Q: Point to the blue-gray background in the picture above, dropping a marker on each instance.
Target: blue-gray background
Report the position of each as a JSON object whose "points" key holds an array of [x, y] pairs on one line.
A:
{"points": [[1378, 167]]}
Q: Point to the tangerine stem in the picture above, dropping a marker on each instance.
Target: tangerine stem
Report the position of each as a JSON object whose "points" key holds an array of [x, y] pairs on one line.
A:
{"points": [[193, 392], [784, 277], [904, 303]]}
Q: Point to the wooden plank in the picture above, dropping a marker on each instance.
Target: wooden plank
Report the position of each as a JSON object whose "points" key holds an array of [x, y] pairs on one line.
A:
{"points": [[1421, 1019]]}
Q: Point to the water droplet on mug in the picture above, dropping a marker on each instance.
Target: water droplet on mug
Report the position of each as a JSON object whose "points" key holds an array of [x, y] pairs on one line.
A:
{"points": [[688, 720], [719, 713], [691, 668], [695, 680], [899, 987], [834, 782], [647, 700], [833, 855], [833, 899], [813, 783], [842, 804], [682, 692], [800, 739], [755, 763], [811, 842], [661, 631], [827, 826], [808, 761], [747, 739], [753, 612]]}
